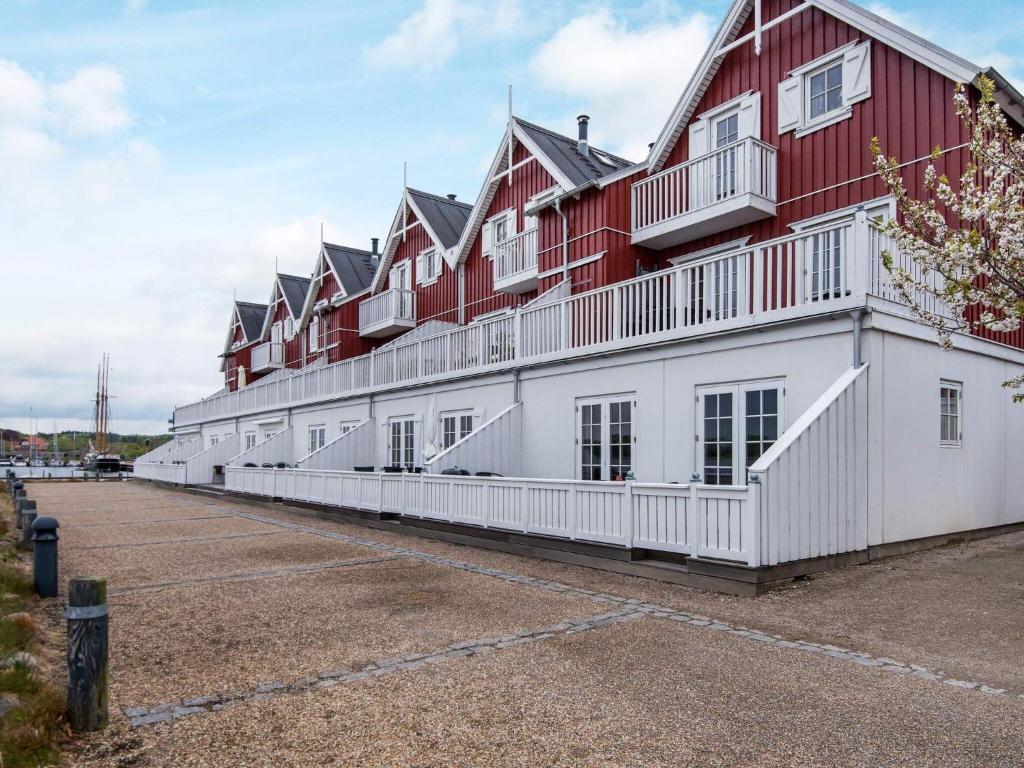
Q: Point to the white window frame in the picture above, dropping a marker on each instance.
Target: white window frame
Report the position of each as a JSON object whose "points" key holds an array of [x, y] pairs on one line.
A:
{"points": [[401, 275], [739, 391], [828, 114], [508, 217], [317, 437], [250, 440], [605, 402], [958, 388], [344, 427], [214, 439], [458, 426], [289, 328], [429, 266], [314, 333], [800, 78], [276, 332]]}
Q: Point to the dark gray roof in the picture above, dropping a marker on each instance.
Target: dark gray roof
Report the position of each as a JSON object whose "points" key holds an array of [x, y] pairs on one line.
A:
{"points": [[353, 266], [564, 153], [295, 290], [252, 317], [446, 217]]}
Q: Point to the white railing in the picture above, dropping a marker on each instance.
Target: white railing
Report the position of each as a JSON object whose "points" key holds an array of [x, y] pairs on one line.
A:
{"points": [[267, 356], [161, 450], [745, 167], [697, 520], [387, 307], [817, 271], [199, 468], [275, 449], [356, 448], [167, 473], [810, 487], [170, 467], [880, 281], [516, 255], [495, 446]]}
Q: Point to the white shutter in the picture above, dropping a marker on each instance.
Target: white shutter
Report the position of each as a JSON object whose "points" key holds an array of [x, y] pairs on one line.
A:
{"points": [[749, 122], [790, 104], [510, 223], [419, 269], [857, 74], [699, 139], [485, 239], [393, 278], [438, 262]]}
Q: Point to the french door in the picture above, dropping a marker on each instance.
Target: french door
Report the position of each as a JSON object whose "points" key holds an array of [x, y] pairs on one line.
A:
{"points": [[736, 423], [605, 437]]}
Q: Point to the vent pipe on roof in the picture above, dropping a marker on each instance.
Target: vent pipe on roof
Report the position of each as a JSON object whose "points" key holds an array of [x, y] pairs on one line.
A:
{"points": [[583, 146], [451, 195], [374, 254]]}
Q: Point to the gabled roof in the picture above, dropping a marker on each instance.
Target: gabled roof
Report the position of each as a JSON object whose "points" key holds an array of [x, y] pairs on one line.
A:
{"points": [[441, 217], [294, 289], [564, 152], [560, 157], [927, 53], [251, 317], [353, 268], [445, 217]]}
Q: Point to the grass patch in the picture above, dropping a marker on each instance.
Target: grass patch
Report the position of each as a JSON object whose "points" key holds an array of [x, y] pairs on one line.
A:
{"points": [[31, 733]]}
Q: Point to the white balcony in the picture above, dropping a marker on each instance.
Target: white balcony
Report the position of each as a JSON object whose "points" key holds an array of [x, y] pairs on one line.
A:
{"points": [[515, 263], [267, 357], [726, 188], [387, 313]]}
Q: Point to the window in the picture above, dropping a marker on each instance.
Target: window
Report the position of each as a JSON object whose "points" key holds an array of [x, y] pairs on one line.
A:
{"points": [[250, 440], [826, 266], [317, 437], [497, 229], [275, 332], [401, 276], [454, 427], [347, 426], [950, 428], [825, 90], [605, 437], [428, 266], [402, 443], [314, 333], [214, 439], [724, 452], [727, 132], [289, 329]]}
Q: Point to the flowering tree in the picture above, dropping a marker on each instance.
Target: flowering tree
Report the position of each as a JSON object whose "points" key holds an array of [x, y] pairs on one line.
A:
{"points": [[966, 241]]}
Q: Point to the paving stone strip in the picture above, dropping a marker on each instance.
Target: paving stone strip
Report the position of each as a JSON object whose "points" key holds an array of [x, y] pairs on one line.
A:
{"points": [[253, 575], [862, 659], [183, 540], [139, 716]]}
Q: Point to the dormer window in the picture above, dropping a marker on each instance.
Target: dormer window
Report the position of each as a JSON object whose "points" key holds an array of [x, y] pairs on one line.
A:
{"points": [[428, 266]]}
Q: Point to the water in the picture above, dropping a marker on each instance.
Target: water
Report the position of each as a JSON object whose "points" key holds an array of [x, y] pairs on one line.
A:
{"points": [[44, 472]]}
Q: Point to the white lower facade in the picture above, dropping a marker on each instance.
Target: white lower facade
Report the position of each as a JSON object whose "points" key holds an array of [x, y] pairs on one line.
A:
{"points": [[654, 447]]}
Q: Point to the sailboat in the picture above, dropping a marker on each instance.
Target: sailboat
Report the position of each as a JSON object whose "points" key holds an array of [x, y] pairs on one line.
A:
{"points": [[98, 459]]}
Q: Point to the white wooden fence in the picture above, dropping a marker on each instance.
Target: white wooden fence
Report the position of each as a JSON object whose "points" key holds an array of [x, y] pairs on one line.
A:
{"points": [[816, 271], [356, 448], [811, 486], [170, 467], [495, 446], [275, 449], [162, 450], [698, 520], [199, 468]]}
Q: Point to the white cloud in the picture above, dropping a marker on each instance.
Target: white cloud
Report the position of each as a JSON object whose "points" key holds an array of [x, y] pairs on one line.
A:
{"points": [[627, 78], [91, 103], [135, 6], [430, 37], [22, 96]]}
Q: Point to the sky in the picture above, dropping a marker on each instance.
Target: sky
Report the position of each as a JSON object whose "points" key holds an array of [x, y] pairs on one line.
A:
{"points": [[157, 158]]}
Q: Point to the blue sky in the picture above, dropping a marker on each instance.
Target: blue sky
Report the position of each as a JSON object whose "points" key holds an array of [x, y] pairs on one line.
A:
{"points": [[158, 156]]}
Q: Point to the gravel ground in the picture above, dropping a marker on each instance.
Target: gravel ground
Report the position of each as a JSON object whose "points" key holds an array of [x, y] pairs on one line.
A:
{"points": [[241, 634], [646, 693], [136, 566], [152, 533]]}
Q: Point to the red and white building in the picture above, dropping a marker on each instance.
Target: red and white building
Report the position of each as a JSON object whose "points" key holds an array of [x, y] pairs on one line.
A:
{"points": [[697, 357]]}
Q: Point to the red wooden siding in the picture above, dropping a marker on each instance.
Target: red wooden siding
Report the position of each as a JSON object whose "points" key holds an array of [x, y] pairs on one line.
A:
{"points": [[438, 301], [339, 326]]}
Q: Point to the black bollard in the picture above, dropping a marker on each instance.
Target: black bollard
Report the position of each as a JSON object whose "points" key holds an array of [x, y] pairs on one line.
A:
{"points": [[16, 486], [44, 542], [87, 654], [26, 517]]}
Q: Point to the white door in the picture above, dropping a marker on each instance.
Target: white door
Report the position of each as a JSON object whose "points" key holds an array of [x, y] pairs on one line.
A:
{"points": [[736, 423], [605, 437], [276, 332], [403, 276]]}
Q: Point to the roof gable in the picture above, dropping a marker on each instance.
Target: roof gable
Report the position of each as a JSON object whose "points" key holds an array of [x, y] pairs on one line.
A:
{"points": [[294, 289], [885, 31], [248, 317]]}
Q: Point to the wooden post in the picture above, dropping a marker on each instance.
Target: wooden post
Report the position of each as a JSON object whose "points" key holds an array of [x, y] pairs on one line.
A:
{"points": [[88, 648]]}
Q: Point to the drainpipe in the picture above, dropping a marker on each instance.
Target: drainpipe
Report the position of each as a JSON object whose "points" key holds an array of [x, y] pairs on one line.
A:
{"points": [[858, 323], [461, 274], [565, 237], [515, 386]]}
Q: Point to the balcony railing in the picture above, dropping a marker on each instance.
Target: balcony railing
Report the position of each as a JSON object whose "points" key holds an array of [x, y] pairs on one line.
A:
{"points": [[820, 271], [725, 188], [515, 263], [267, 357], [387, 313]]}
